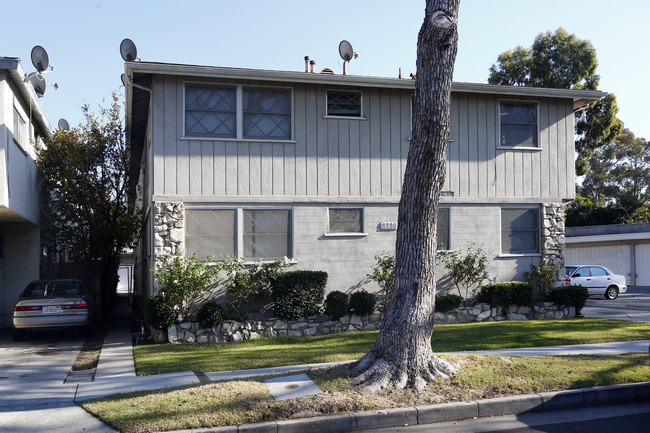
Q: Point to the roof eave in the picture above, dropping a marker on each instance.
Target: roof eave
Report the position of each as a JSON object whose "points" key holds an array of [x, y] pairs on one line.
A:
{"points": [[579, 97]]}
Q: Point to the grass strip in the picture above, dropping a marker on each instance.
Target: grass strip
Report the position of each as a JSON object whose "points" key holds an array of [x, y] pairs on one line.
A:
{"points": [[243, 402], [275, 352]]}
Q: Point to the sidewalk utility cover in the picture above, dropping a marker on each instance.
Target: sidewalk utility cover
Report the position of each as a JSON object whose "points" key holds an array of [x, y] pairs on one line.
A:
{"points": [[286, 387]]}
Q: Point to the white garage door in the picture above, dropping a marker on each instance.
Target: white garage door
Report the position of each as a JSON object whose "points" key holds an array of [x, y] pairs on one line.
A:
{"points": [[642, 258], [615, 257]]}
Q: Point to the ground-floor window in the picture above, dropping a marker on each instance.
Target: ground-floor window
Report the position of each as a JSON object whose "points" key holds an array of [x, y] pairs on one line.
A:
{"points": [[442, 229], [251, 234], [345, 220], [520, 231]]}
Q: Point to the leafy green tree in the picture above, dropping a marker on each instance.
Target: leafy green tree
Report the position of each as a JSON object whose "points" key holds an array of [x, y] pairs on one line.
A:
{"points": [[615, 190], [84, 179], [562, 60]]}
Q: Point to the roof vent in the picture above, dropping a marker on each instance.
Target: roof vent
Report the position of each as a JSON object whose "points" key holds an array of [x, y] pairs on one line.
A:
{"points": [[327, 71]]}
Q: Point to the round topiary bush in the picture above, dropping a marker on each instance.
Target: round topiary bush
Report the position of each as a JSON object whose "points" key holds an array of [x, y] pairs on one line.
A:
{"points": [[336, 304], [211, 314], [362, 303], [160, 312]]}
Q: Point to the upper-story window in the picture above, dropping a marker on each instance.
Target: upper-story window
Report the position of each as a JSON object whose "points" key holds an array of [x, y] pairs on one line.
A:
{"points": [[518, 121], [210, 111], [346, 104], [238, 112], [267, 113], [20, 129]]}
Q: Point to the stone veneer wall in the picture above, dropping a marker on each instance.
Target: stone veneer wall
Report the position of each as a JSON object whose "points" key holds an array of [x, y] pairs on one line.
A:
{"points": [[231, 331], [168, 231], [553, 245]]}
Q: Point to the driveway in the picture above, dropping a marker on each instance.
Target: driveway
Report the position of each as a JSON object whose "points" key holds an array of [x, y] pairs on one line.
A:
{"points": [[633, 305], [33, 396]]}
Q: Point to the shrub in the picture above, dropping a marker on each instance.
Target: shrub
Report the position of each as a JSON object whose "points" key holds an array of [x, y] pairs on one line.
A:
{"points": [[383, 273], [160, 312], [468, 269], [242, 284], [575, 296], [183, 280], [336, 304], [448, 302], [362, 303], [298, 293], [211, 314], [543, 278], [506, 294]]}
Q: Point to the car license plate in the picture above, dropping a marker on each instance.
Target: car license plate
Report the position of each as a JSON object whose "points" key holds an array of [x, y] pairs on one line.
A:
{"points": [[51, 309]]}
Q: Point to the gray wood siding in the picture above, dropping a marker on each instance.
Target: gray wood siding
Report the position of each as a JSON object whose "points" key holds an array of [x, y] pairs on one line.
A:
{"points": [[335, 157]]}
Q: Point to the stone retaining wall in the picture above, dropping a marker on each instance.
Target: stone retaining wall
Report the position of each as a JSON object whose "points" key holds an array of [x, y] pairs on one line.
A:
{"points": [[230, 331]]}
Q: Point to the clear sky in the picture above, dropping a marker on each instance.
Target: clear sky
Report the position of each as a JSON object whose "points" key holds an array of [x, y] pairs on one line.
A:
{"points": [[83, 38]]}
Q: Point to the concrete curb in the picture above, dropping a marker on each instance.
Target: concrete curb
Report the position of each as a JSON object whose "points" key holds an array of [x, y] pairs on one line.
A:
{"points": [[421, 415]]}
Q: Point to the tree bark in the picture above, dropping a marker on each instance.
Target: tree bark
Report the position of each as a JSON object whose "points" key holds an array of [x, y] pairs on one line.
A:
{"points": [[402, 356]]}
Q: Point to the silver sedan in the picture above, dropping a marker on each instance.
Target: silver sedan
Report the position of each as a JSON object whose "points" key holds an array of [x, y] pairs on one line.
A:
{"points": [[52, 304]]}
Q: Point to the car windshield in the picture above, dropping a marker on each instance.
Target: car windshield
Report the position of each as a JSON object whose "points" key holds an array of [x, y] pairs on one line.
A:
{"points": [[570, 270], [35, 289], [65, 288]]}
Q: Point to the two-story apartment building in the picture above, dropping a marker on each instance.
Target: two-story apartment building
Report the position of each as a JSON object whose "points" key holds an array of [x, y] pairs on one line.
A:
{"points": [[22, 123], [269, 164]]}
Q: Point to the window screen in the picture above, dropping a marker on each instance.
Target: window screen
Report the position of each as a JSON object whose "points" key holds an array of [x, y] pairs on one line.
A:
{"points": [[443, 229], [519, 231], [267, 113], [345, 221], [210, 111], [344, 104], [210, 233], [267, 234], [518, 124]]}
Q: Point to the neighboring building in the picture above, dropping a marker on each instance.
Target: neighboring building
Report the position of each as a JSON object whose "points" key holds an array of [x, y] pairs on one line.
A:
{"points": [[22, 124], [266, 164], [623, 248]]}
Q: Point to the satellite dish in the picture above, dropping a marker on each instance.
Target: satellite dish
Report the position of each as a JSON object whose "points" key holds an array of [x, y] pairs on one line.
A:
{"points": [[64, 125], [128, 50], [40, 59], [346, 51], [38, 83]]}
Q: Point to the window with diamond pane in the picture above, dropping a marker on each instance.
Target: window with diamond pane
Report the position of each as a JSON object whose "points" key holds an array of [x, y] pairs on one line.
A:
{"points": [[520, 231], [518, 124], [210, 111], [210, 233], [442, 229], [345, 221], [267, 113], [344, 104], [267, 234]]}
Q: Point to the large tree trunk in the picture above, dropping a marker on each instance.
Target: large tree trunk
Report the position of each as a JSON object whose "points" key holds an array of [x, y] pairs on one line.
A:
{"points": [[402, 356]]}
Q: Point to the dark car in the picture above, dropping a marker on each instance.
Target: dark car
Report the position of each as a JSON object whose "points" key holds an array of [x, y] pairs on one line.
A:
{"points": [[53, 304]]}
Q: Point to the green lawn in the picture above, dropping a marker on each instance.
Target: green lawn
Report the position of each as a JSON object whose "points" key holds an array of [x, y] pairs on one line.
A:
{"points": [[274, 352], [249, 401]]}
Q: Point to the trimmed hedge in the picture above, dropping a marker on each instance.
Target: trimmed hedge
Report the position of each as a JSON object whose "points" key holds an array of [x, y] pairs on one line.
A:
{"points": [[506, 294], [448, 302], [211, 314], [362, 303], [160, 312], [336, 304], [573, 296], [298, 293]]}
